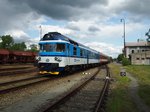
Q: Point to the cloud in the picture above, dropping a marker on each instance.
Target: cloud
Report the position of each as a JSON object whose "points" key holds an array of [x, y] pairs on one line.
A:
{"points": [[18, 35], [54, 28], [108, 49], [64, 9], [84, 21], [17, 16], [93, 29], [137, 10], [73, 27]]}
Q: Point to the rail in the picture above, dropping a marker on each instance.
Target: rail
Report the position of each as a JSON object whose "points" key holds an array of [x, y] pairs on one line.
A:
{"points": [[75, 91], [14, 85], [100, 104]]}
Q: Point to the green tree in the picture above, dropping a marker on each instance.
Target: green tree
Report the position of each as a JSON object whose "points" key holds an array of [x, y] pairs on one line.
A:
{"points": [[23, 46], [120, 57], [0, 42], [34, 47], [19, 46], [6, 41], [126, 62]]}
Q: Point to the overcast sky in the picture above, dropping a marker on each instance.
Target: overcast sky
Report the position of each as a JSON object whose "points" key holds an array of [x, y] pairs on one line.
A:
{"points": [[95, 23]]}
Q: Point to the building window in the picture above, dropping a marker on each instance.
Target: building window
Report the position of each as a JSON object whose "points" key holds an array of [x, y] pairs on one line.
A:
{"points": [[143, 58], [132, 51], [137, 58]]}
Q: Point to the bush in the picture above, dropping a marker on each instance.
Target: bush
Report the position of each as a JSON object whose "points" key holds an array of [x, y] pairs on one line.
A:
{"points": [[126, 62]]}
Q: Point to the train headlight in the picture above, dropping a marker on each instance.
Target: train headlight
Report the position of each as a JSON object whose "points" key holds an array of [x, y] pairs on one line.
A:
{"points": [[39, 58], [47, 60], [59, 59]]}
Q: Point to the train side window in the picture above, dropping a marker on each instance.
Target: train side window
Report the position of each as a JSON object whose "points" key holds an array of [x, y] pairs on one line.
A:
{"points": [[41, 47], [74, 51], [81, 52], [86, 53]]}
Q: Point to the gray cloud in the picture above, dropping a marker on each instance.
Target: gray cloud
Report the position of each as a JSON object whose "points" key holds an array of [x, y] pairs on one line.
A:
{"points": [[15, 14], [73, 27], [93, 29], [60, 9], [137, 10], [22, 39], [18, 14]]}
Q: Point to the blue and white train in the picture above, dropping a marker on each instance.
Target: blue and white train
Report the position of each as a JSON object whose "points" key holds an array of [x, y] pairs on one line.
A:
{"points": [[59, 54]]}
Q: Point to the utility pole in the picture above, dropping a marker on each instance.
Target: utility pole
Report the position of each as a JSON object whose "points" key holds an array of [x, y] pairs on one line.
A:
{"points": [[40, 31], [123, 20]]}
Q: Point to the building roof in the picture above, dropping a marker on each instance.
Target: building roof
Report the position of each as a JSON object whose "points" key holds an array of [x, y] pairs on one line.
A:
{"points": [[140, 43]]}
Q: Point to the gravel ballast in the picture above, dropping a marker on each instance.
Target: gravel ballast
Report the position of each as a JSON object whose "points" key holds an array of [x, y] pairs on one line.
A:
{"points": [[33, 98]]}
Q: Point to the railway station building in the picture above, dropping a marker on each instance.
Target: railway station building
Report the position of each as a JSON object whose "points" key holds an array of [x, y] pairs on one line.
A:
{"points": [[138, 52]]}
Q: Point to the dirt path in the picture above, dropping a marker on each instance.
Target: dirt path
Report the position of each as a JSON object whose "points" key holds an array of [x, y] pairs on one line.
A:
{"points": [[133, 88]]}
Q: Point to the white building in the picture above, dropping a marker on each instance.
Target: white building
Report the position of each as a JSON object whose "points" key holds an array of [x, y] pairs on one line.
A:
{"points": [[142, 58], [138, 52]]}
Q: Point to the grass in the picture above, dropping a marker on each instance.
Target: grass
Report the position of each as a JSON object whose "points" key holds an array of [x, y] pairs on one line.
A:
{"points": [[119, 99], [142, 73]]}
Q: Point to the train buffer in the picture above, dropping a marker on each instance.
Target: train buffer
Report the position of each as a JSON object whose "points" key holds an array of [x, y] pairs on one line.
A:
{"points": [[123, 72]]}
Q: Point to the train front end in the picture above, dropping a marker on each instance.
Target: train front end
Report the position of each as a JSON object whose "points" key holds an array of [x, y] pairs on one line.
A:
{"points": [[52, 55]]}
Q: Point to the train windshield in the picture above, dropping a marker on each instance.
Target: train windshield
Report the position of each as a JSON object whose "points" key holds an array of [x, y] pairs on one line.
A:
{"points": [[52, 47]]}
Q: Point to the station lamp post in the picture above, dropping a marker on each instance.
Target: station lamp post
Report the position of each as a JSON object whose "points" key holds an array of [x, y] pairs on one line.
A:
{"points": [[123, 21], [40, 31]]}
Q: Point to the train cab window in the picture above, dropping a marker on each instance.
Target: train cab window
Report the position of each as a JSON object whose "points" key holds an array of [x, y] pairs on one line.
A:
{"points": [[52, 47], [60, 48], [49, 47]]}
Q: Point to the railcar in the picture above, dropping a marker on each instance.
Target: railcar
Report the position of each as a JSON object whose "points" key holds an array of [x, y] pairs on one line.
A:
{"points": [[8, 56], [104, 59], [59, 54], [4, 55]]}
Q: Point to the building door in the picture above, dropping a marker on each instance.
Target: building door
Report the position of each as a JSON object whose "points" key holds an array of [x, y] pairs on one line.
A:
{"points": [[148, 61]]}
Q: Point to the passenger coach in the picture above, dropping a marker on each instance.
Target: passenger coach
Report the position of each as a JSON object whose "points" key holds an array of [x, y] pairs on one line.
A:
{"points": [[59, 53]]}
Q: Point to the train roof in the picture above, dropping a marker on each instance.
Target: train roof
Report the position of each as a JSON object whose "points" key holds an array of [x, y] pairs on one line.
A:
{"points": [[4, 52], [104, 55], [59, 36], [21, 53]]}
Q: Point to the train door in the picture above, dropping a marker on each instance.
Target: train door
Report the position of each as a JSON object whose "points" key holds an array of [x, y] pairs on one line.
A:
{"points": [[87, 57], [68, 53]]}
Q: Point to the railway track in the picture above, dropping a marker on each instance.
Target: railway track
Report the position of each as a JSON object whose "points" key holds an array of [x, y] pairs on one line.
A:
{"points": [[19, 84], [88, 96], [18, 68], [17, 71]]}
